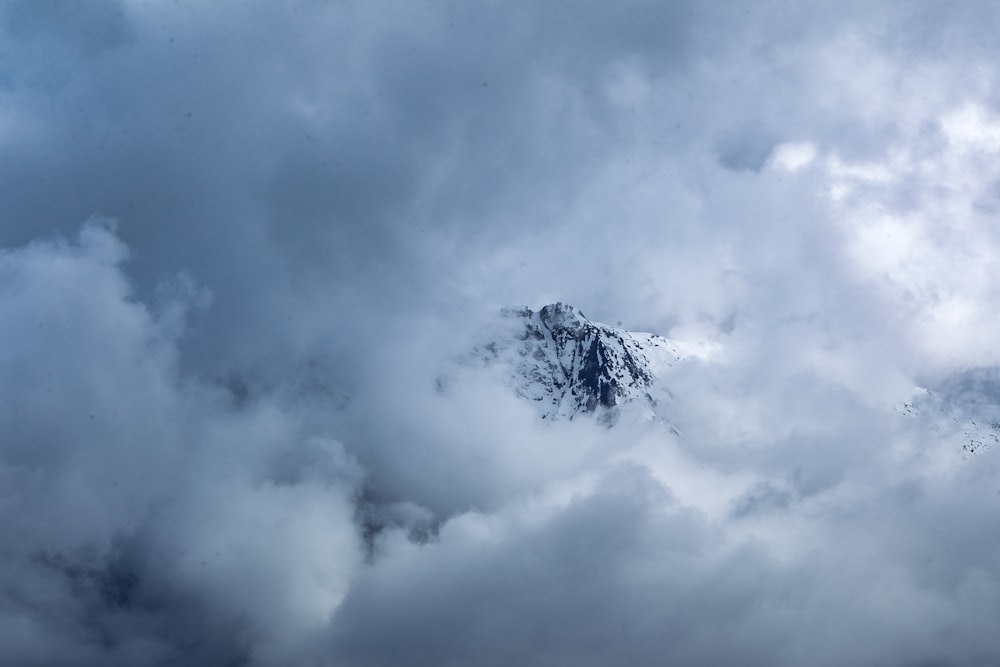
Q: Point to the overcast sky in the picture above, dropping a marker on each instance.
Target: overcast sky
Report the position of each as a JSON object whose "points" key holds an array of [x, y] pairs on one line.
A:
{"points": [[241, 240]]}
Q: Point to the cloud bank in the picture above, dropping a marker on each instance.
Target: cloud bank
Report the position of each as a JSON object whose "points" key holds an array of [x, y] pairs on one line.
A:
{"points": [[242, 241]]}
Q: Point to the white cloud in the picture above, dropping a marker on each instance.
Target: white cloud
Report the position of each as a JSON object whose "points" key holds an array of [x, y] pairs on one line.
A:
{"points": [[793, 156]]}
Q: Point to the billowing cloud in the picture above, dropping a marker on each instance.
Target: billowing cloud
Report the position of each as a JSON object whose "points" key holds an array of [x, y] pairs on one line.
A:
{"points": [[147, 519], [246, 246]]}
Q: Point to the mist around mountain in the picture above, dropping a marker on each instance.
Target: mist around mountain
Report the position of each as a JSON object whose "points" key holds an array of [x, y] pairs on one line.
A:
{"points": [[373, 333], [586, 489]]}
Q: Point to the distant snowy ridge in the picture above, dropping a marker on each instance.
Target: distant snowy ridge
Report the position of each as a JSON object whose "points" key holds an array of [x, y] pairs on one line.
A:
{"points": [[571, 366], [966, 406]]}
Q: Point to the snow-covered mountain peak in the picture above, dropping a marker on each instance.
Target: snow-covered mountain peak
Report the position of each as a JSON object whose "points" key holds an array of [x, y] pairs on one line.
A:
{"points": [[563, 317], [571, 365]]}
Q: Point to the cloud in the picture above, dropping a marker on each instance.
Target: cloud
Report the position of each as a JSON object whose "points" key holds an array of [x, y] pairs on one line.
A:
{"points": [[222, 439], [136, 500], [621, 571]]}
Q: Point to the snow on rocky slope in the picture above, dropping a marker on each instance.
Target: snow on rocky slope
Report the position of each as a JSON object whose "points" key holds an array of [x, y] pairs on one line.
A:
{"points": [[572, 366]]}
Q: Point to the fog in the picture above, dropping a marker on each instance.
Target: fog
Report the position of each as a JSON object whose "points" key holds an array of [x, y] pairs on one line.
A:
{"points": [[248, 246]]}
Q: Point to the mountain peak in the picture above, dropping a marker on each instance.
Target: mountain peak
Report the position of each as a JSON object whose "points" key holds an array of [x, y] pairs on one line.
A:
{"points": [[561, 316], [570, 365]]}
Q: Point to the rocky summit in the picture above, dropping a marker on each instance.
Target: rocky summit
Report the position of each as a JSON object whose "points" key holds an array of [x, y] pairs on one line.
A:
{"points": [[571, 365]]}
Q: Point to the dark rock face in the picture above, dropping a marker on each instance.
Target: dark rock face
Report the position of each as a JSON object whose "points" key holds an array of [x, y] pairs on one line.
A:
{"points": [[596, 362]]}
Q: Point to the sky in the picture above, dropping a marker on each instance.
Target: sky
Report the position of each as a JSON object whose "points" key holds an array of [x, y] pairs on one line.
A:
{"points": [[240, 242]]}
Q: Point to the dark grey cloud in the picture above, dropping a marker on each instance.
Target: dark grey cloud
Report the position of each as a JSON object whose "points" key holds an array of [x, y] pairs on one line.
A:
{"points": [[244, 240], [80, 29]]}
